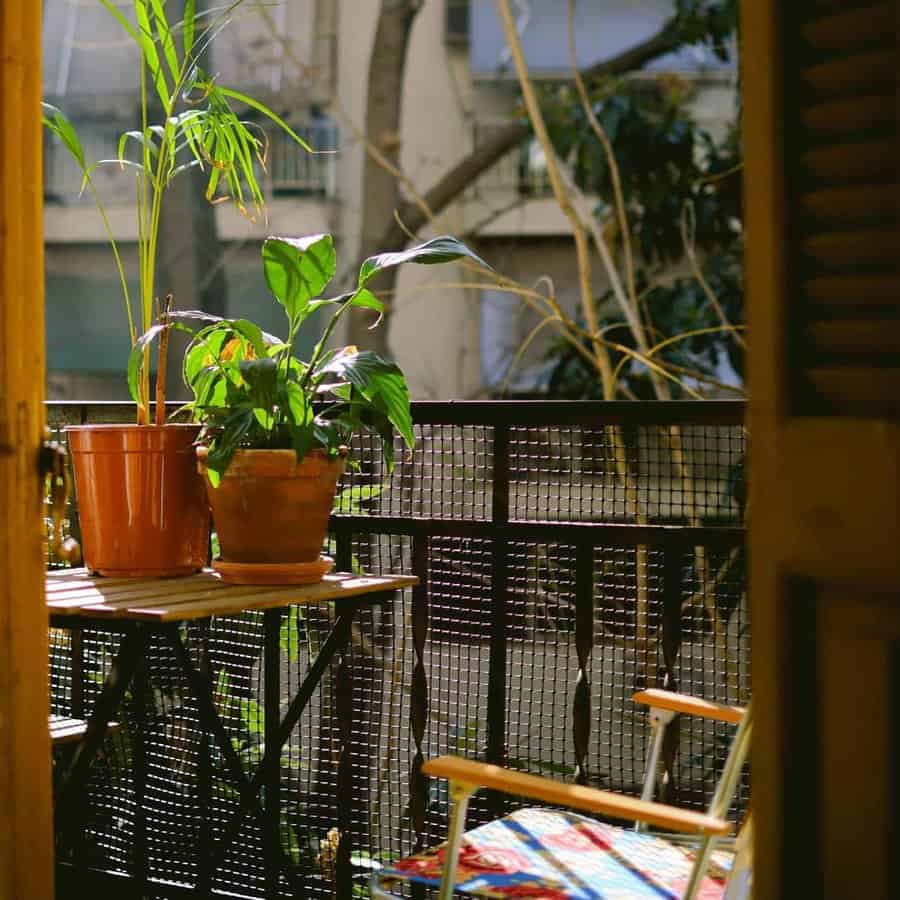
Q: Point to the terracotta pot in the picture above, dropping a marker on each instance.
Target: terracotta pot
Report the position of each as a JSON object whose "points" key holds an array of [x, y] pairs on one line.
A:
{"points": [[141, 503], [268, 508]]}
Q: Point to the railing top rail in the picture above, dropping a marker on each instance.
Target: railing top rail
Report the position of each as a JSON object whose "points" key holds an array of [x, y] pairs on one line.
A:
{"points": [[519, 412]]}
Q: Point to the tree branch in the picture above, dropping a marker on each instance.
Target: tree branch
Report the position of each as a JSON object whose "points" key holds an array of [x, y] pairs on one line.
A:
{"points": [[454, 182]]}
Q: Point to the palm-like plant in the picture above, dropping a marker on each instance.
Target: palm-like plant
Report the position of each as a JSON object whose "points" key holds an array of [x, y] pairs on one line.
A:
{"points": [[197, 128]]}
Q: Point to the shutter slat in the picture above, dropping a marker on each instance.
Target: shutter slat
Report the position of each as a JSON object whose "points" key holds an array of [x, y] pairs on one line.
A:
{"points": [[862, 391], [851, 115], [854, 28], [858, 204], [865, 337], [847, 290], [869, 159], [853, 248], [862, 70]]}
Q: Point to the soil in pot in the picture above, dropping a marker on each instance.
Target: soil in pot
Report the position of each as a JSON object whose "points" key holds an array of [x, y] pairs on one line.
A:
{"points": [[271, 511], [141, 504]]}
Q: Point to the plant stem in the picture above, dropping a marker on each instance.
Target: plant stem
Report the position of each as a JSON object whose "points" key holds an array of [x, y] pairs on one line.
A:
{"points": [[161, 365], [317, 352], [143, 412]]}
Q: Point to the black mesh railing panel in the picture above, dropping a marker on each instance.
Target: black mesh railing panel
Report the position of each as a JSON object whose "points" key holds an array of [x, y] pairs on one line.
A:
{"points": [[602, 541]]}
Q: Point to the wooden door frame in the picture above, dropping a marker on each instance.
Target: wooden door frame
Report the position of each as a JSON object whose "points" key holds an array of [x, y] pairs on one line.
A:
{"points": [[26, 829]]}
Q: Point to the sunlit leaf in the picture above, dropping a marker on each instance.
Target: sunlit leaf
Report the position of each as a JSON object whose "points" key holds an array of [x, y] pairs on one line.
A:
{"points": [[297, 269], [437, 250], [188, 24], [148, 51], [365, 299], [262, 108], [56, 120], [165, 38], [381, 383]]}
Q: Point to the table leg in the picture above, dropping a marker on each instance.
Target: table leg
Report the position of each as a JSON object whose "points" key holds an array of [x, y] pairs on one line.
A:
{"points": [[202, 688], [121, 675], [337, 639]]}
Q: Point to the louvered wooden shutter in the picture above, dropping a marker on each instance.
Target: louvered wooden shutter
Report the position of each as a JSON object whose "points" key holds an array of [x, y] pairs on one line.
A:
{"points": [[842, 160]]}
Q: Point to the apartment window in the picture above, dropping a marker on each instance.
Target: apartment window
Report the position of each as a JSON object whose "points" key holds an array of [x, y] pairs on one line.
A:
{"points": [[457, 24]]}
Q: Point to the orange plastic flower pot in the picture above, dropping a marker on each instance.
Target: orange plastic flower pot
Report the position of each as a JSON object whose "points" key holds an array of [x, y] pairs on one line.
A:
{"points": [[141, 503]]}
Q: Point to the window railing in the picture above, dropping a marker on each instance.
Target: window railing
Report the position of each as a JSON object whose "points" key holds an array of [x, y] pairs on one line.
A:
{"points": [[290, 170]]}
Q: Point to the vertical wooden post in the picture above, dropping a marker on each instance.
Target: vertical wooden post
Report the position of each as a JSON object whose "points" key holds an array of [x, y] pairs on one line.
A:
{"points": [[26, 840]]}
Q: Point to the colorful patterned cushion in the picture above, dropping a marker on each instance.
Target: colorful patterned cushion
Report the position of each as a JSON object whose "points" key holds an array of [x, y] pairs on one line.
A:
{"points": [[548, 855]]}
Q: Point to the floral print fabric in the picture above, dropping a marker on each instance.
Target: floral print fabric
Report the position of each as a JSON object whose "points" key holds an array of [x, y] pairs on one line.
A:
{"points": [[549, 855]]}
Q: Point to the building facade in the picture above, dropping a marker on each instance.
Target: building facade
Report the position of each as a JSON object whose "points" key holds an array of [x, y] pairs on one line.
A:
{"points": [[309, 59]]}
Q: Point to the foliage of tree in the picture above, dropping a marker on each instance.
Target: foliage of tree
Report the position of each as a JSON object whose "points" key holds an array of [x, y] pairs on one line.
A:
{"points": [[680, 187]]}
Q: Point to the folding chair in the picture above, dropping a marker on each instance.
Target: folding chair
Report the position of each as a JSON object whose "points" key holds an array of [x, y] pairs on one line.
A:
{"points": [[552, 854]]}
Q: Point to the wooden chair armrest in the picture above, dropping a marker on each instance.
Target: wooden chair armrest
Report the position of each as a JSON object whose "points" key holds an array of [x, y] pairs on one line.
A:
{"points": [[692, 706], [617, 806]]}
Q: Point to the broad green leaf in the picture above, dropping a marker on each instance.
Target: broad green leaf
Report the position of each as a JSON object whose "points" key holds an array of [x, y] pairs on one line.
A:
{"points": [[261, 376], [365, 299], [210, 387], [438, 250], [302, 439], [381, 383], [253, 334], [262, 108], [297, 269], [297, 403]]}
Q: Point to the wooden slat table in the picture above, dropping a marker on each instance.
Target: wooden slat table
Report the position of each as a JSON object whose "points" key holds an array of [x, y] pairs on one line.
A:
{"points": [[145, 608]]}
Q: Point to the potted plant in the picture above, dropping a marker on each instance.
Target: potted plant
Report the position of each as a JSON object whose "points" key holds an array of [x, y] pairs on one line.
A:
{"points": [[275, 428], [141, 503]]}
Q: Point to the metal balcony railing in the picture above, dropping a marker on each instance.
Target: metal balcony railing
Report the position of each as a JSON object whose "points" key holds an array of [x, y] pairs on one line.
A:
{"points": [[569, 553]]}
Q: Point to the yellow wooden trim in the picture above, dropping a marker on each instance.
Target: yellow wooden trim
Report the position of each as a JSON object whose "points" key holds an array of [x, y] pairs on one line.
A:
{"points": [[692, 706], [26, 836], [546, 790]]}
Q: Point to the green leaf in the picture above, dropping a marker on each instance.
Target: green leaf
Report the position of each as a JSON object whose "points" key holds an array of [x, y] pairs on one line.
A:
{"points": [[165, 38], [365, 299], [261, 376], [120, 18], [381, 383], [297, 403], [254, 717], [56, 120], [262, 108], [253, 334], [145, 140], [136, 357], [437, 250], [148, 51], [135, 360], [188, 24], [297, 269]]}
